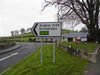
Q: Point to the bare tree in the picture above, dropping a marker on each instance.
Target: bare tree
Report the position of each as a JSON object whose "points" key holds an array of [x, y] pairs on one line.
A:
{"points": [[16, 32], [12, 33], [85, 11], [83, 29], [22, 30]]}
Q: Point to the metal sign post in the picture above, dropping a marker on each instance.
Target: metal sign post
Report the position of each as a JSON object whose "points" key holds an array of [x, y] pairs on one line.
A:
{"points": [[54, 51], [41, 58], [50, 30]]}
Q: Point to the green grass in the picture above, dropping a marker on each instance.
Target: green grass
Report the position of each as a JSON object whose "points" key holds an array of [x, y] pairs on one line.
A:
{"points": [[65, 64], [20, 38], [90, 47]]}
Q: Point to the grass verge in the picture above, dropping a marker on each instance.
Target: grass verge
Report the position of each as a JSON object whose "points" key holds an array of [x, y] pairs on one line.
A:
{"points": [[65, 64]]}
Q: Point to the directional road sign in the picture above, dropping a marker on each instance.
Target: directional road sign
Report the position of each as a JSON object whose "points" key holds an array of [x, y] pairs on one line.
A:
{"points": [[52, 29]]}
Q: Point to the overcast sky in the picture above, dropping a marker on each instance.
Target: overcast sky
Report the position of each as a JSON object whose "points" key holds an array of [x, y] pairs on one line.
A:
{"points": [[17, 14]]}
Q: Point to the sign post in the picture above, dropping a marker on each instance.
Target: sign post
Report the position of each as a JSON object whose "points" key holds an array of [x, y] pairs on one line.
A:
{"points": [[54, 52], [41, 58], [47, 30]]}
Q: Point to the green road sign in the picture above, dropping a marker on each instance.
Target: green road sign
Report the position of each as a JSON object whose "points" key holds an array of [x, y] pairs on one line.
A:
{"points": [[44, 32]]}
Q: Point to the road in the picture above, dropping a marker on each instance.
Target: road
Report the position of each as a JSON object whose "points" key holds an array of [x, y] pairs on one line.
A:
{"points": [[11, 58]]}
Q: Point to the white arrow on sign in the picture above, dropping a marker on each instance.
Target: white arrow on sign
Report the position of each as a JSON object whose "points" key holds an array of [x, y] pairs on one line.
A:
{"points": [[47, 29]]}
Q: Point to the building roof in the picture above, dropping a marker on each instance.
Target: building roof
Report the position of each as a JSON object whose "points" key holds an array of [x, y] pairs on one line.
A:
{"points": [[80, 34]]}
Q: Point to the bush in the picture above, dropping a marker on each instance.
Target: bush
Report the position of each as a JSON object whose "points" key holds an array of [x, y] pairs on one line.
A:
{"points": [[31, 40], [6, 43]]}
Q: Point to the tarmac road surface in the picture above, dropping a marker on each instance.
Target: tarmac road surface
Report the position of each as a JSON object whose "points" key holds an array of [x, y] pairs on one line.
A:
{"points": [[11, 58]]}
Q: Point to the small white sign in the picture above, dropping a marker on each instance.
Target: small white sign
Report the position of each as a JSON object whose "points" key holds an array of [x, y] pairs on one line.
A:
{"points": [[52, 29], [83, 39]]}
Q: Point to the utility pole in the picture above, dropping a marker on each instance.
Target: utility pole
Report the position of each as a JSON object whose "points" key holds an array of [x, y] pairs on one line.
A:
{"points": [[58, 12]]}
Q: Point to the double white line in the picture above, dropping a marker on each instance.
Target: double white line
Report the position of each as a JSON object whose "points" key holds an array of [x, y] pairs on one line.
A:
{"points": [[9, 56]]}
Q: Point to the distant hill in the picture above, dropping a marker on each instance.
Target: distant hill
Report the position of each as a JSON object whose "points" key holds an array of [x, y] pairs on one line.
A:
{"points": [[20, 38], [28, 36]]}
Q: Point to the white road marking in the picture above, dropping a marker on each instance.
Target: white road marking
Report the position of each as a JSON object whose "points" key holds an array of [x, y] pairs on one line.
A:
{"points": [[9, 56]]}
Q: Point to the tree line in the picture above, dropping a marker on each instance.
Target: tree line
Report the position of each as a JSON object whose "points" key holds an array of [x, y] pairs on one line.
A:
{"points": [[20, 32]]}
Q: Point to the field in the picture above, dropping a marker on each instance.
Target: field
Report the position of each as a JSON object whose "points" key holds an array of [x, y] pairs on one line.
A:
{"points": [[21, 38], [66, 64]]}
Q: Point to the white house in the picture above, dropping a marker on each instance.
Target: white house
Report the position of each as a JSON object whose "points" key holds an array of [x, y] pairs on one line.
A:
{"points": [[76, 37]]}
